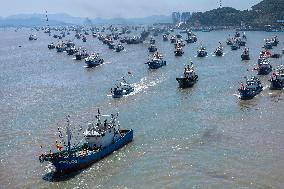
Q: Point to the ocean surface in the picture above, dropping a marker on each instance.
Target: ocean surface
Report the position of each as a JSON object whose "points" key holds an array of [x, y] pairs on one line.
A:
{"points": [[199, 138]]}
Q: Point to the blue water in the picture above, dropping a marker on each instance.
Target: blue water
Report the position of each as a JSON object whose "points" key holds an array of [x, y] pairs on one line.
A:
{"points": [[203, 137]]}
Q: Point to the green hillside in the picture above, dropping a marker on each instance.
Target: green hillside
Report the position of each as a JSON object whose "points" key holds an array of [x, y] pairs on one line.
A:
{"points": [[265, 12]]}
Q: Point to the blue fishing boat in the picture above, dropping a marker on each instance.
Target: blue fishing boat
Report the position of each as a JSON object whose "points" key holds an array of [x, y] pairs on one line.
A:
{"points": [[84, 39], [202, 52], [81, 54], [275, 41], [178, 51], [252, 88], [229, 41], [51, 46], [94, 60], [237, 34], [165, 37], [268, 44], [173, 39], [156, 62], [189, 77], [219, 50], [32, 37], [179, 43], [71, 51], [152, 41], [245, 54], [235, 46], [119, 48], [60, 47], [277, 79], [111, 45], [122, 89], [264, 67], [101, 139], [152, 48], [191, 39], [240, 41]]}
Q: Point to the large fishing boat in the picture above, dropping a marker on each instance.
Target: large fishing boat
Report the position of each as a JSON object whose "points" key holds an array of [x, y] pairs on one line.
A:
{"points": [[250, 89], [101, 139], [157, 61], [189, 77], [94, 60], [277, 78]]}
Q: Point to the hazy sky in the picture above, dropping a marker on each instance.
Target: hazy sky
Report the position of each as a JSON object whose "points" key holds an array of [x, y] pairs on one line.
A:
{"points": [[115, 8]]}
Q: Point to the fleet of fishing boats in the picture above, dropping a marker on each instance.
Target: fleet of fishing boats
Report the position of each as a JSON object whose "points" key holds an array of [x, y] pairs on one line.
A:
{"points": [[104, 137]]}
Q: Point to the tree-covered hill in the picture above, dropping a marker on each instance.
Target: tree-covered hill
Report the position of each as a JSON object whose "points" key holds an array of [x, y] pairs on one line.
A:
{"points": [[265, 12]]}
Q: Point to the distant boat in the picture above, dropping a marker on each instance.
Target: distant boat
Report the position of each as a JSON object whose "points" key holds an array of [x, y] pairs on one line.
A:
{"points": [[178, 51], [277, 79], [119, 48], [32, 37], [81, 54], [219, 51], [191, 39], [122, 89], [235, 46], [51, 46], [202, 52], [165, 38], [152, 48], [245, 54]]}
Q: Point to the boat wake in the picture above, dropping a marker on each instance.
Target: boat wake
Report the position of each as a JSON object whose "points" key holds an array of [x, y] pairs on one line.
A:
{"points": [[265, 87], [144, 84], [237, 95], [141, 86]]}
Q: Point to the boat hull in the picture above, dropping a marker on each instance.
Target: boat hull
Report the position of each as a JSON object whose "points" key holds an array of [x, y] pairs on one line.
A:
{"points": [[276, 85], [70, 164], [123, 93], [156, 65], [186, 82], [94, 63], [249, 94], [245, 57], [264, 71]]}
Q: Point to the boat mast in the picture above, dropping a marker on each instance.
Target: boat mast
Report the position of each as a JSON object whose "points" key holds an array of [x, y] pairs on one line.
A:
{"points": [[69, 134], [47, 25]]}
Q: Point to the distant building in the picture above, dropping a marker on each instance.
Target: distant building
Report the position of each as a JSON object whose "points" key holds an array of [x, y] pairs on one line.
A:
{"points": [[176, 17], [179, 18], [185, 16]]}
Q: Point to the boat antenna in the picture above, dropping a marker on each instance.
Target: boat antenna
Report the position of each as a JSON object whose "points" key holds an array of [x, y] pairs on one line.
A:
{"points": [[98, 116], [68, 133]]}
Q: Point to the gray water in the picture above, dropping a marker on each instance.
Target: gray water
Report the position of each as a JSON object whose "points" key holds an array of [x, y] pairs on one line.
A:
{"points": [[203, 137]]}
